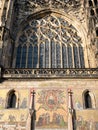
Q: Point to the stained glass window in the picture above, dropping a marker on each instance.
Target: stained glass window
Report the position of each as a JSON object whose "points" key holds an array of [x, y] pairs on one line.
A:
{"points": [[49, 42], [42, 56], [64, 56], [47, 54], [76, 56], [35, 56], [70, 62], [23, 62], [53, 54], [30, 56], [81, 54], [58, 56], [18, 58]]}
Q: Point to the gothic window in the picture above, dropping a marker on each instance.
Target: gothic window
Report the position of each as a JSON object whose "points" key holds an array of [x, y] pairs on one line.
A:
{"points": [[95, 1], [30, 56], [23, 60], [90, 3], [87, 100], [97, 11], [18, 58], [58, 56], [70, 63], [97, 32], [49, 42], [81, 55], [92, 12], [76, 56], [11, 100], [64, 56], [47, 54]]}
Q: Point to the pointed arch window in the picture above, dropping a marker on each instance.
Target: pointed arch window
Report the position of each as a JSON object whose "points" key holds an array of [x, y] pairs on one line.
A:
{"points": [[88, 100], [49, 44], [12, 100], [95, 1]]}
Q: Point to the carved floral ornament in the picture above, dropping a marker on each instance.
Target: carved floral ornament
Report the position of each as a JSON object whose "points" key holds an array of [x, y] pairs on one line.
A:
{"points": [[34, 4]]}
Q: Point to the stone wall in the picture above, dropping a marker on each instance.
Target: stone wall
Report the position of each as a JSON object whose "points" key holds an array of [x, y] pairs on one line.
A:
{"points": [[51, 104]]}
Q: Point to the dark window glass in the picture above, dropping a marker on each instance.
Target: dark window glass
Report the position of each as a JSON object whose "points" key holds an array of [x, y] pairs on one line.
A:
{"points": [[30, 56], [87, 98], [47, 54], [53, 54], [35, 56], [58, 55], [97, 32], [97, 13], [70, 63], [23, 62], [76, 58], [12, 100], [90, 3], [18, 58], [95, 1], [42, 56], [92, 12], [64, 56], [81, 54]]}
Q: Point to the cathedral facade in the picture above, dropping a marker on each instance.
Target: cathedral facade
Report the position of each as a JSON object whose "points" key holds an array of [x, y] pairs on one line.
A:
{"points": [[48, 65]]}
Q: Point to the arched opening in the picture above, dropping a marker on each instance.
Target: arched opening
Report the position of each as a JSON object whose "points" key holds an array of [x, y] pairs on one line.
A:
{"points": [[87, 99], [97, 11], [11, 100], [95, 1], [90, 3], [47, 42], [92, 12], [97, 32]]}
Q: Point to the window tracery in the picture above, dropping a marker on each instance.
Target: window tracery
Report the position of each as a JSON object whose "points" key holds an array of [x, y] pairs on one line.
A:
{"points": [[49, 42]]}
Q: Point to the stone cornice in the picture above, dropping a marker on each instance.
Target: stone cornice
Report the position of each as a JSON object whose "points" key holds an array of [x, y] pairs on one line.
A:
{"points": [[49, 73]]}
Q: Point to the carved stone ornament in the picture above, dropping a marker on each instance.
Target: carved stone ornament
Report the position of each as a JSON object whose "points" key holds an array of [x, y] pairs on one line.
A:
{"points": [[29, 5], [24, 8], [33, 5]]}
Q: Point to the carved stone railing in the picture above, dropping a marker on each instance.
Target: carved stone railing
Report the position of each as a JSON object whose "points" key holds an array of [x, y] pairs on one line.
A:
{"points": [[49, 73]]}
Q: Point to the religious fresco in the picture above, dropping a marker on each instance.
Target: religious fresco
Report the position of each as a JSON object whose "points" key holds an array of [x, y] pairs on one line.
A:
{"points": [[24, 103], [51, 109], [2, 102], [51, 99], [78, 105], [11, 126], [86, 125], [57, 121]]}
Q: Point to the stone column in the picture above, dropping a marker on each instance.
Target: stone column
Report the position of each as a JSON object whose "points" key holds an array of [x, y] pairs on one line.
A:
{"points": [[31, 112], [70, 111]]}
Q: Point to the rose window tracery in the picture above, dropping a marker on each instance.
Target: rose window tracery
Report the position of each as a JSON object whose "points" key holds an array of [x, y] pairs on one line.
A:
{"points": [[49, 42]]}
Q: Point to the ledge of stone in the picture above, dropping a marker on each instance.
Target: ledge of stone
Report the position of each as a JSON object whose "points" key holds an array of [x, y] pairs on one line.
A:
{"points": [[49, 73]]}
